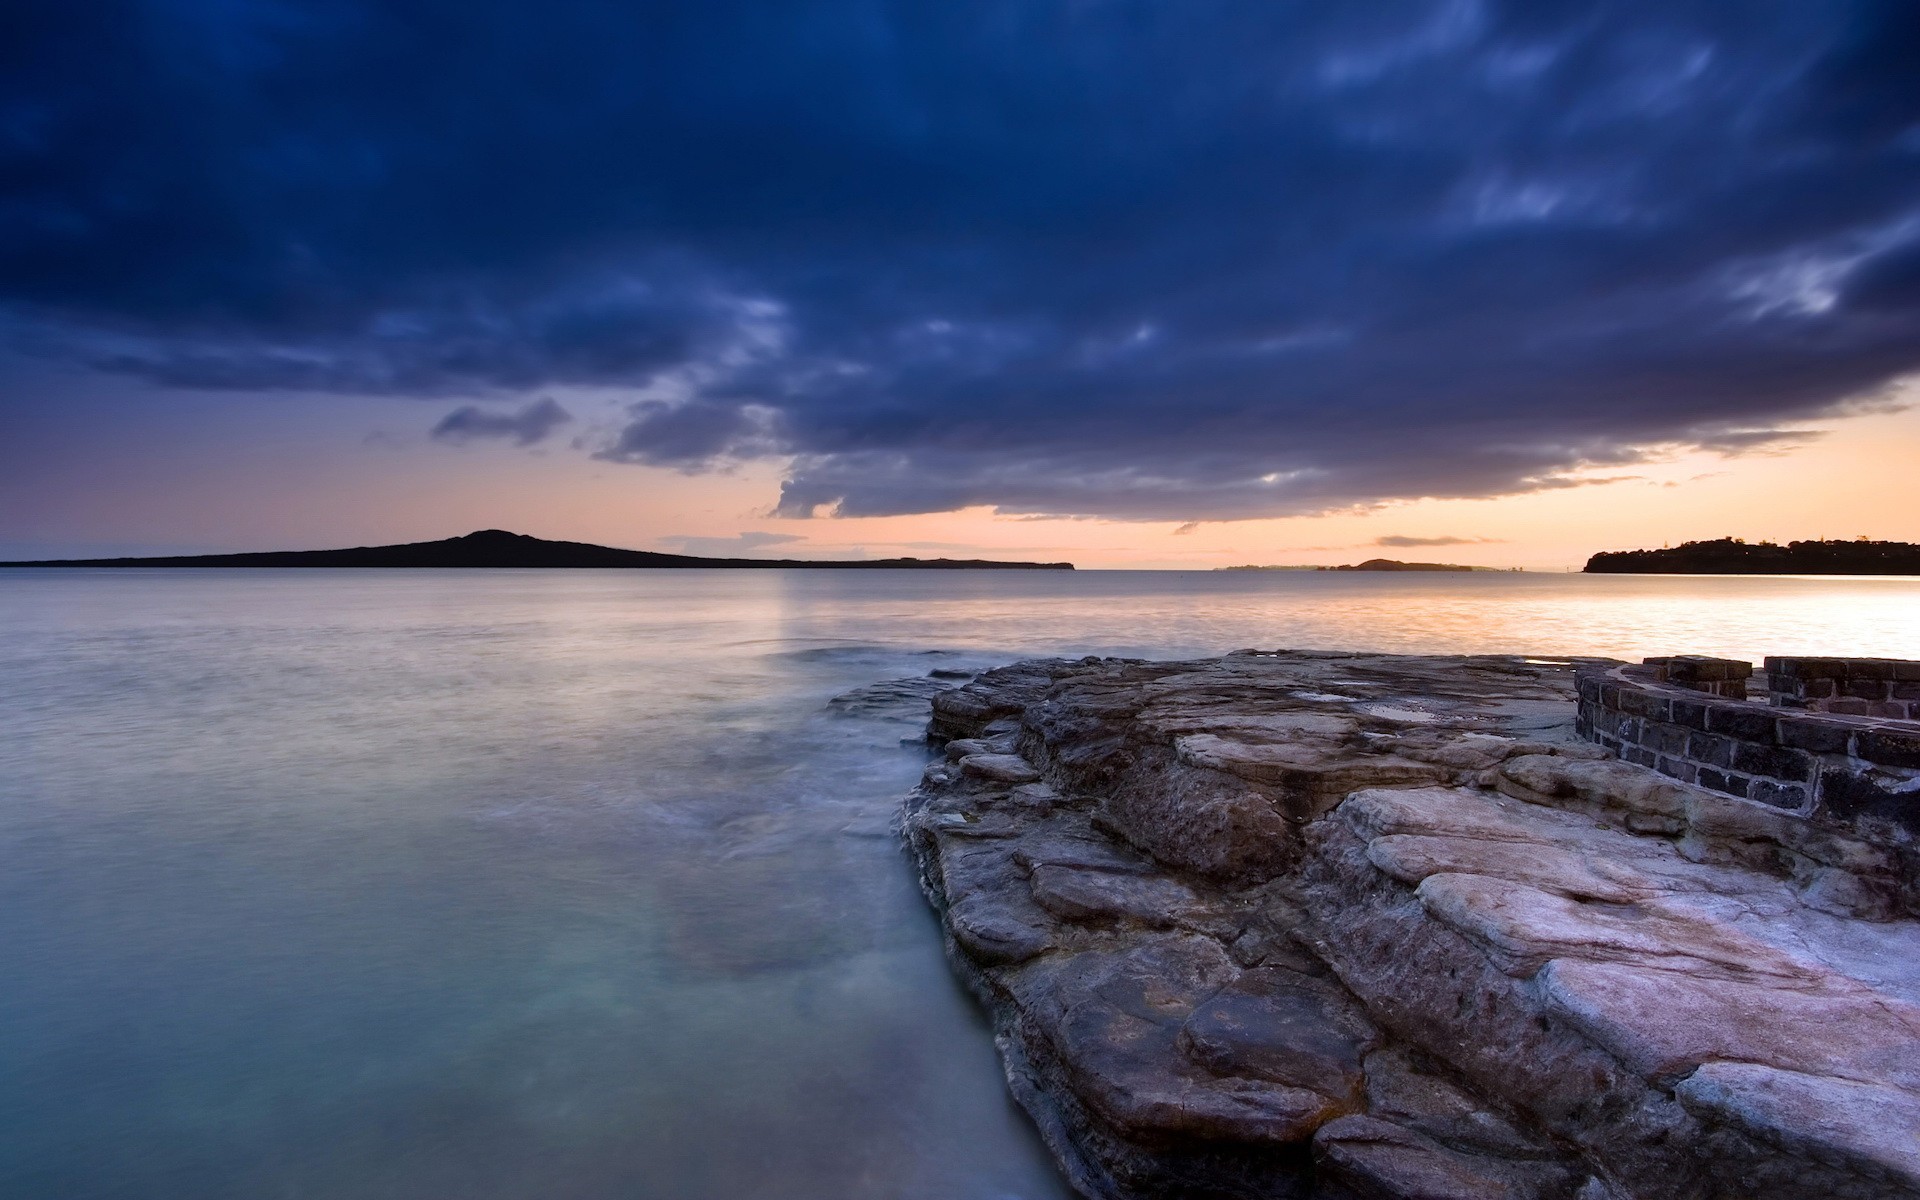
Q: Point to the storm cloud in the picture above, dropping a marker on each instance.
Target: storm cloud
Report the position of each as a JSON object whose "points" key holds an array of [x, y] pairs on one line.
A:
{"points": [[1189, 262], [524, 427]]}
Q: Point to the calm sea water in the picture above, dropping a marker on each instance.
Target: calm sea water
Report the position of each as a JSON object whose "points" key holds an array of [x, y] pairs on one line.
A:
{"points": [[575, 884]]}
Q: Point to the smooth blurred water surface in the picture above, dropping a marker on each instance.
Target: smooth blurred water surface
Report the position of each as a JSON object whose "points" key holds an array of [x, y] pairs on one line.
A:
{"points": [[574, 884]]}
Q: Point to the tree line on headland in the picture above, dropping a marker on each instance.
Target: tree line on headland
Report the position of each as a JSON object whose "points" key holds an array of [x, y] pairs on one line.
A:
{"points": [[1732, 556]]}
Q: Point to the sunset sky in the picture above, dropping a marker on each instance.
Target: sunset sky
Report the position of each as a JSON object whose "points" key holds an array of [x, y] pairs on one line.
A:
{"points": [[1151, 285]]}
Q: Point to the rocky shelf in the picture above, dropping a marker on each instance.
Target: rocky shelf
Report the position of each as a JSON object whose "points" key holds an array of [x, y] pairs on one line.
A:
{"points": [[1304, 924]]}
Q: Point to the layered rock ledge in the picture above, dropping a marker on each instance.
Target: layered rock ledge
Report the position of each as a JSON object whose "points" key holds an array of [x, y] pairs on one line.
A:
{"points": [[1307, 924]]}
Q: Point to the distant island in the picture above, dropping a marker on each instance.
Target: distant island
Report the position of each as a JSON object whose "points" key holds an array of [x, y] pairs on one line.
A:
{"points": [[1394, 564], [1732, 556], [499, 548], [1372, 564], [1274, 567]]}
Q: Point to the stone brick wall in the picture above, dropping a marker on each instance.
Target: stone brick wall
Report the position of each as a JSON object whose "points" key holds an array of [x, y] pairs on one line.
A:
{"points": [[1859, 687], [1715, 676], [1851, 769]]}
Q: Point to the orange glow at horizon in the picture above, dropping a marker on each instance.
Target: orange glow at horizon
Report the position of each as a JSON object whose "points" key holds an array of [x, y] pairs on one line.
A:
{"points": [[309, 477]]}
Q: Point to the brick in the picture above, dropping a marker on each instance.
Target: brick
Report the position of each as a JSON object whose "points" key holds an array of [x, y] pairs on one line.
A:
{"points": [[1818, 689], [1772, 761], [1748, 722], [1610, 693], [1632, 701], [1704, 669], [1779, 795], [1890, 748], [1906, 691], [1851, 795], [1867, 689], [1907, 671], [1808, 668], [1870, 668], [1681, 769], [1720, 781], [1662, 738], [1849, 708], [1710, 750], [1639, 755], [1589, 688], [1814, 735], [1689, 713]]}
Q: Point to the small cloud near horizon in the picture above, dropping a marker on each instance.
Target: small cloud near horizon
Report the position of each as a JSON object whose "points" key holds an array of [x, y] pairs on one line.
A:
{"points": [[1403, 541], [524, 426]]}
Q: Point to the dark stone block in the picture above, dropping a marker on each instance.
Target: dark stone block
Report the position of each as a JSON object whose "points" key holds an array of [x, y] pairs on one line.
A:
{"points": [[1818, 689], [1814, 735], [1610, 693], [1710, 750], [1633, 702], [1867, 689], [1689, 713], [1869, 668], [1906, 691], [1748, 722], [1808, 668], [1640, 755], [1720, 781], [1657, 708], [1779, 795], [1907, 671], [1694, 668], [1680, 768], [1889, 748], [1589, 688], [1852, 795], [1665, 739], [1849, 707], [1772, 761]]}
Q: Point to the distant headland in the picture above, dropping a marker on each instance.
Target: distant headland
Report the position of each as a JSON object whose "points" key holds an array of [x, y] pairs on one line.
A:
{"points": [[1373, 564], [1732, 556], [499, 548]]}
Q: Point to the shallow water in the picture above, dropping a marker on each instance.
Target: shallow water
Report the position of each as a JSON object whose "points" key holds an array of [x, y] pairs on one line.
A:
{"points": [[575, 884]]}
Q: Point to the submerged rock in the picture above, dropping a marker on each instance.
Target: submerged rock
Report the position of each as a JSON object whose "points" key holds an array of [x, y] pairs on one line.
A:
{"points": [[1307, 924]]}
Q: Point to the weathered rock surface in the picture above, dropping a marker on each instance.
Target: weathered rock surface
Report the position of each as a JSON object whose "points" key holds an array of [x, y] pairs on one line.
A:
{"points": [[1306, 924]]}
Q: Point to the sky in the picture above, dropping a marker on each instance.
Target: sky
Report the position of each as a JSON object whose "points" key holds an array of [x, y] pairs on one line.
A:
{"points": [[1129, 284]]}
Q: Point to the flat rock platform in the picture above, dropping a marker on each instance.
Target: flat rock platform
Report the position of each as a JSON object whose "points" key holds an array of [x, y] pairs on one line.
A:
{"points": [[1286, 924]]}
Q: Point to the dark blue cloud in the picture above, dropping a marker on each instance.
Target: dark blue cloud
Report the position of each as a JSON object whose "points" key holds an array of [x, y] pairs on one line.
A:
{"points": [[524, 427], [1202, 260]]}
